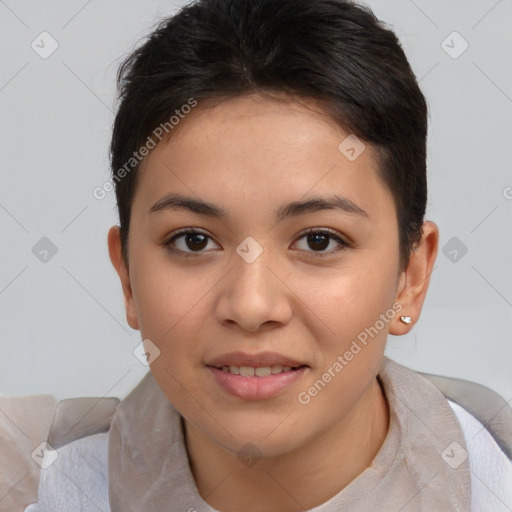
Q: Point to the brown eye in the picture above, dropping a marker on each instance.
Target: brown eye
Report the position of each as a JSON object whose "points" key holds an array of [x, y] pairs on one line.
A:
{"points": [[195, 241], [191, 242], [318, 240], [188, 241]]}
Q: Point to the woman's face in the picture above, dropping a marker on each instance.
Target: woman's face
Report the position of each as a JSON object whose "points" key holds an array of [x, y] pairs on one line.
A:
{"points": [[253, 281]]}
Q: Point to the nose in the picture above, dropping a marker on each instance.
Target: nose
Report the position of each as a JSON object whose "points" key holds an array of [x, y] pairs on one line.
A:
{"points": [[254, 296]]}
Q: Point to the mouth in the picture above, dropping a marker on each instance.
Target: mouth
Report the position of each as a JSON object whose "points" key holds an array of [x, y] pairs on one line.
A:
{"points": [[256, 382], [258, 371], [255, 376], [260, 364]]}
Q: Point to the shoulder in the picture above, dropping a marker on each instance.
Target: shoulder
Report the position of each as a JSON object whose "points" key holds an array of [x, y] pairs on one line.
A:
{"points": [[486, 420], [483, 403], [42, 440], [76, 477], [491, 469]]}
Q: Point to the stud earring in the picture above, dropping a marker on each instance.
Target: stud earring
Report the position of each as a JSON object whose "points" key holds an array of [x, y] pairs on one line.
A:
{"points": [[406, 319]]}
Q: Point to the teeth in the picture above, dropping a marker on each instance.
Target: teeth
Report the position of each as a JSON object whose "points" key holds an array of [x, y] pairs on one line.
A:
{"points": [[264, 371], [246, 371], [261, 371]]}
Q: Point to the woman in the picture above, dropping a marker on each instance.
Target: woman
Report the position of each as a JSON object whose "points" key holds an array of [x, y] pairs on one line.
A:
{"points": [[269, 159]]}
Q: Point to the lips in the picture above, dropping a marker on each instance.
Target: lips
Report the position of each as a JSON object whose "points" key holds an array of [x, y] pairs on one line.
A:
{"points": [[260, 359], [255, 388]]}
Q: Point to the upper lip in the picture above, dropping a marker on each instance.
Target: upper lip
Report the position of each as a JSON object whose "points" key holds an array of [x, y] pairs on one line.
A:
{"points": [[254, 360]]}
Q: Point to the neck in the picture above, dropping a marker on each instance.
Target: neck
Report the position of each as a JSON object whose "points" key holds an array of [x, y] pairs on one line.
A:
{"points": [[302, 479]]}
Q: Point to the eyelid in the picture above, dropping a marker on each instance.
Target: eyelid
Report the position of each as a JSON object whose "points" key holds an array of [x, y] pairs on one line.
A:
{"points": [[343, 243], [329, 231], [183, 231]]}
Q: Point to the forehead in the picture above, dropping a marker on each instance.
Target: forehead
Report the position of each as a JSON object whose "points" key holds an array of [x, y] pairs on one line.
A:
{"points": [[254, 149]]}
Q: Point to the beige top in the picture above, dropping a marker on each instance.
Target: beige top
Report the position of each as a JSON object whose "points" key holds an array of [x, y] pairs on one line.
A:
{"points": [[422, 465]]}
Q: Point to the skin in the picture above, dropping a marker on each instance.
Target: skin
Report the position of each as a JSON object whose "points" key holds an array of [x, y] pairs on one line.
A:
{"points": [[249, 155]]}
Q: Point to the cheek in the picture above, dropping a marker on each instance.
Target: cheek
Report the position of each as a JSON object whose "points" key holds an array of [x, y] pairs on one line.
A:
{"points": [[170, 305], [349, 300], [171, 315], [353, 345]]}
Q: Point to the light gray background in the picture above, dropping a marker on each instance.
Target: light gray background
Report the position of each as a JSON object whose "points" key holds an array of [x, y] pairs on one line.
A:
{"points": [[62, 321]]}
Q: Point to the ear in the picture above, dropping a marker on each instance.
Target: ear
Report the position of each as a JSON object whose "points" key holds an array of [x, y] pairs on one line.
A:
{"points": [[114, 249], [414, 280]]}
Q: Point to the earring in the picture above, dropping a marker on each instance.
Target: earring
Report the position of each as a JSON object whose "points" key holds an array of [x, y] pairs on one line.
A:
{"points": [[406, 319]]}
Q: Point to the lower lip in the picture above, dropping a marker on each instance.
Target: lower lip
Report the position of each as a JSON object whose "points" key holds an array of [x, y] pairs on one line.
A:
{"points": [[256, 388]]}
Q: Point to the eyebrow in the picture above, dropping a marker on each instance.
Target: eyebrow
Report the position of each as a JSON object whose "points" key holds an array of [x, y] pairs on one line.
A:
{"points": [[314, 204]]}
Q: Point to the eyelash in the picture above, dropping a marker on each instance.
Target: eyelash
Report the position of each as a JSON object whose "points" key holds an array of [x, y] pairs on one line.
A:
{"points": [[310, 231]]}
